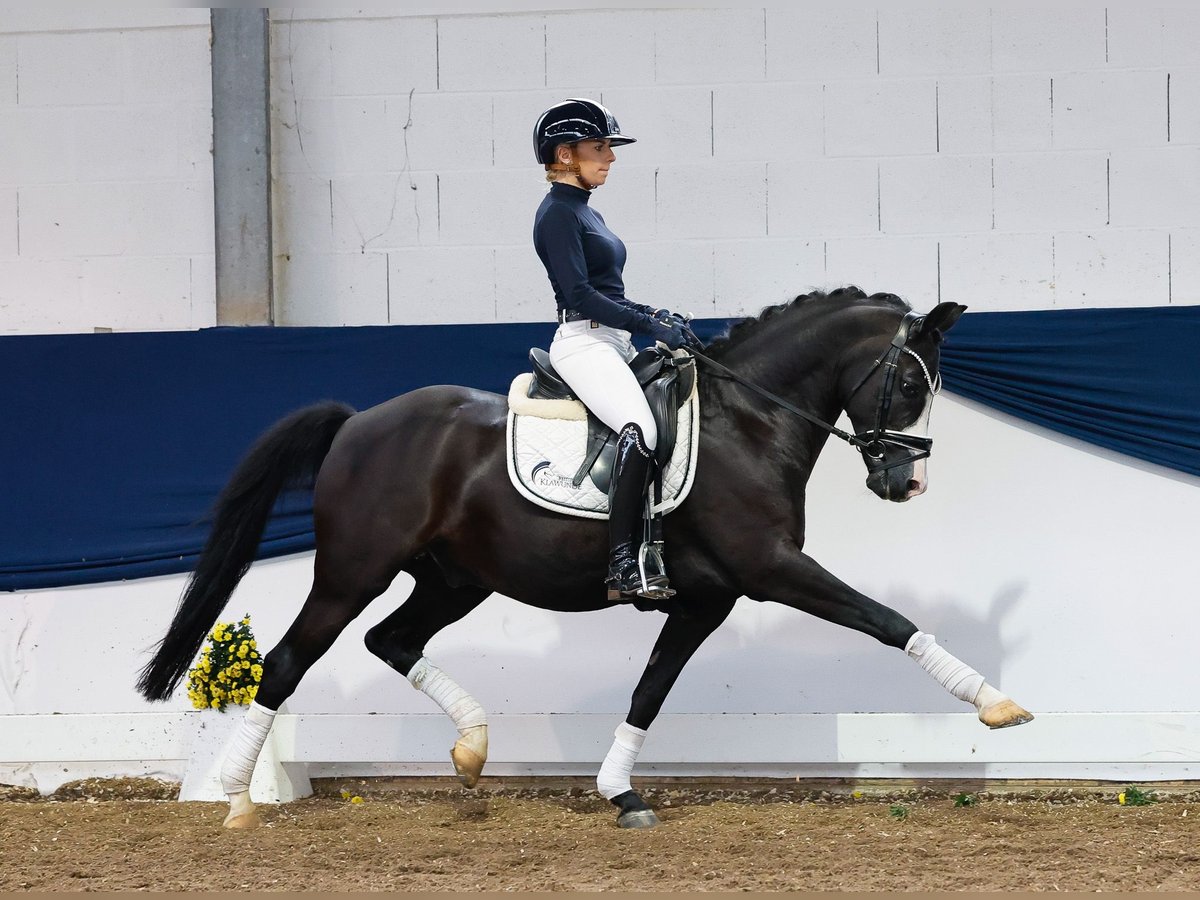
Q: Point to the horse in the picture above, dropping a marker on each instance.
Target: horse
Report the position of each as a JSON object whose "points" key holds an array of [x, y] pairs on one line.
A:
{"points": [[419, 484]]}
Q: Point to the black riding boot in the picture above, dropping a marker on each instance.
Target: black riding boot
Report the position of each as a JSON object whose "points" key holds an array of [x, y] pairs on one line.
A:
{"points": [[626, 499]]}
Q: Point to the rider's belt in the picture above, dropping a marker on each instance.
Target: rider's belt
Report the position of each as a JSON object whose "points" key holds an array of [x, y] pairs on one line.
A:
{"points": [[570, 315]]}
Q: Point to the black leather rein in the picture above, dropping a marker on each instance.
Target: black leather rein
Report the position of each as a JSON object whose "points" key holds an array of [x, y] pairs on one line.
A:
{"points": [[873, 445]]}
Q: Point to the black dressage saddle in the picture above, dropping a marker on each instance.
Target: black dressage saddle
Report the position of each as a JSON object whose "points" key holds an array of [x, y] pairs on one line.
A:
{"points": [[667, 381]]}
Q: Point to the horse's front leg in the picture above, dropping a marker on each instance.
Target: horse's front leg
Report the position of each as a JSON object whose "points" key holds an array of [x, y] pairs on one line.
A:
{"points": [[680, 638], [794, 579]]}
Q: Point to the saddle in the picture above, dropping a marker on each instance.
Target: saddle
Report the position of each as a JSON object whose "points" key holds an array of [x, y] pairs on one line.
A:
{"points": [[667, 381]]}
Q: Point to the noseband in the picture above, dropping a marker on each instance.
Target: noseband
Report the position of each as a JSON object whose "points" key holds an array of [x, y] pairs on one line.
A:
{"points": [[873, 444]]}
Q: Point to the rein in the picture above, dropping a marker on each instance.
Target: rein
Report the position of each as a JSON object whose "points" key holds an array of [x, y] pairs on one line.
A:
{"points": [[871, 444]]}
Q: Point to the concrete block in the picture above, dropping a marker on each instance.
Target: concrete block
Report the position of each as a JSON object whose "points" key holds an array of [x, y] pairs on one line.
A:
{"points": [[1107, 110], [69, 69], [130, 293], [627, 39], [915, 40], [99, 18], [303, 137], [1180, 33], [672, 124], [823, 197], [709, 46], [1111, 268], [167, 66], [514, 114], [301, 215], [1185, 266], [331, 289], [442, 285], [8, 71], [203, 273], [1049, 38], [490, 208], [337, 135], [9, 233], [964, 117], [1021, 113], [880, 118], [1184, 112], [1142, 37], [901, 265], [169, 218], [1152, 188], [382, 210], [626, 202], [41, 296], [768, 121], [439, 132], [38, 146], [717, 200], [935, 194], [523, 292], [1050, 190], [994, 272], [75, 220], [806, 42], [752, 275], [135, 142], [301, 62], [491, 53], [383, 56], [677, 275]]}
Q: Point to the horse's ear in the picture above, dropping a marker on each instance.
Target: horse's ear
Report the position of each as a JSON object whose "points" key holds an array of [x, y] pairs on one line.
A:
{"points": [[941, 319]]}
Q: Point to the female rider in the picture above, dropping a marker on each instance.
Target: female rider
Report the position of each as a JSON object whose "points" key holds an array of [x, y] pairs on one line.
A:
{"points": [[591, 350]]}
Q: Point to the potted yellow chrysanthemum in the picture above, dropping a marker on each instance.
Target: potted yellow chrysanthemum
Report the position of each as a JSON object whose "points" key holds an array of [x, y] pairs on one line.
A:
{"points": [[229, 668]]}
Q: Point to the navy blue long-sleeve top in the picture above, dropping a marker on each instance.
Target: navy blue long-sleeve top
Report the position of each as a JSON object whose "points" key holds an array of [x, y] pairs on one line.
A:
{"points": [[584, 259]]}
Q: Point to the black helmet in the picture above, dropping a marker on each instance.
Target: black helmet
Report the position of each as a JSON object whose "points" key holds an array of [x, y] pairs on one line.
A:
{"points": [[571, 121]]}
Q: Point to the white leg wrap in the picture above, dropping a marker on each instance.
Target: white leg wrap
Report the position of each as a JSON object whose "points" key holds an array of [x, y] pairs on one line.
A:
{"points": [[460, 706], [951, 673], [618, 765], [238, 769]]}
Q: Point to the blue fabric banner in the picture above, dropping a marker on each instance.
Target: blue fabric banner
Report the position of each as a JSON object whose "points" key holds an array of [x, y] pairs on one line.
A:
{"points": [[119, 443]]}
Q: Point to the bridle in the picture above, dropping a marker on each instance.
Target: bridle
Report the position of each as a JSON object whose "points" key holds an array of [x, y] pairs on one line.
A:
{"points": [[875, 443]]}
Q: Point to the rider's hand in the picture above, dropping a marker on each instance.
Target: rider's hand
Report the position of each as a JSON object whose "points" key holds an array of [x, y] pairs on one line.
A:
{"points": [[667, 331]]}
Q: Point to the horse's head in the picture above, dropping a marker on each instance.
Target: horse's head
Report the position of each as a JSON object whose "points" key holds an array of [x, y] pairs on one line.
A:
{"points": [[891, 389]]}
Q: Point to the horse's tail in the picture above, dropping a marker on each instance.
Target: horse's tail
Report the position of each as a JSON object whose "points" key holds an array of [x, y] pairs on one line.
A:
{"points": [[288, 455]]}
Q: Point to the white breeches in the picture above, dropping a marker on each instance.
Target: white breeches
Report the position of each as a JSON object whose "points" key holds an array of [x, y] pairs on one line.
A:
{"points": [[594, 362]]}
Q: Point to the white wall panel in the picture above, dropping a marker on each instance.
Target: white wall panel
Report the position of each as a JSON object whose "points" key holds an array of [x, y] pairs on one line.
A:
{"points": [[709, 45], [301, 61], [935, 194], [1054, 37], [135, 293], [823, 197], [998, 271], [751, 275], [523, 292], [916, 40], [491, 53], [717, 200], [383, 56], [1156, 187], [491, 207], [24, 286], [670, 123], [1021, 113], [677, 275], [39, 146], [384, 210], [82, 18], [1185, 265], [897, 264], [1110, 110], [8, 71], [627, 201], [445, 285], [964, 114], [880, 118], [70, 69], [448, 132], [165, 66], [768, 121], [9, 233], [1111, 268], [1047, 191], [615, 47], [1184, 109], [806, 42], [332, 289]]}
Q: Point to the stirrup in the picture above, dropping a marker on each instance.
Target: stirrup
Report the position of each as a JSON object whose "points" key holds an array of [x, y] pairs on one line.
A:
{"points": [[655, 584]]}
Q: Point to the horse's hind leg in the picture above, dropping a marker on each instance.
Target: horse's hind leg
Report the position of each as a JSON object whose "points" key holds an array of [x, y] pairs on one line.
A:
{"points": [[399, 640]]}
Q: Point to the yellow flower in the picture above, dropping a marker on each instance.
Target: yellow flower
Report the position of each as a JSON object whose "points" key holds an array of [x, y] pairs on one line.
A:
{"points": [[216, 704], [253, 644], [1121, 798], [356, 799]]}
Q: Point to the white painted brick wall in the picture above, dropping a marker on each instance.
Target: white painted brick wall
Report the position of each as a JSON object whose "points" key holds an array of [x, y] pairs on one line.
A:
{"points": [[854, 142]]}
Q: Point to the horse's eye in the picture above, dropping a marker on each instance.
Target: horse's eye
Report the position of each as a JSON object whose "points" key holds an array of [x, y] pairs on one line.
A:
{"points": [[910, 388]]}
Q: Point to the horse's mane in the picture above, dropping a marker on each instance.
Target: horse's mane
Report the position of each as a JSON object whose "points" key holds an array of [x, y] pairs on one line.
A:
{"points": [[849, 294]]}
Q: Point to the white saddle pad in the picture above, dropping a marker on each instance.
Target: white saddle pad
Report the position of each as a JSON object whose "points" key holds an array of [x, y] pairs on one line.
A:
{"points": [[547, 441]]}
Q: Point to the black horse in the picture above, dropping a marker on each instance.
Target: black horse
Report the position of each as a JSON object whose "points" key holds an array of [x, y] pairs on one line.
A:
{"points": [[419, 484]]}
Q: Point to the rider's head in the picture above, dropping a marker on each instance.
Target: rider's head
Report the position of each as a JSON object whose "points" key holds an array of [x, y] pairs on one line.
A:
{"points": [[574, 141]]}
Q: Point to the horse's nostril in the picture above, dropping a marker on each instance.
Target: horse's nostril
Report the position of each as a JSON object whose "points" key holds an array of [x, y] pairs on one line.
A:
{"points": [[915, 487]]}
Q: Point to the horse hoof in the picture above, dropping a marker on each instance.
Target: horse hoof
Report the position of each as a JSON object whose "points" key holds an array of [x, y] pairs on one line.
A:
{"points": [[1004, 714], [242, 820], [468, 754], [638, 818]]}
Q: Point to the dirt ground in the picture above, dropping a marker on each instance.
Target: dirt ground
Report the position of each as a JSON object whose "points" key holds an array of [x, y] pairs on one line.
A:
{"points": [[124, 836]]}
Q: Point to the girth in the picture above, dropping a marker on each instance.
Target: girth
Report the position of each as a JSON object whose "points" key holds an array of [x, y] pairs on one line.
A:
{"points": [[667, 382]]}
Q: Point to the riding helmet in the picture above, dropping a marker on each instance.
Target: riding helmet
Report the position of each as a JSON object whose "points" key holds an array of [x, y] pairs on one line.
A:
{"points": [[571, 121]]}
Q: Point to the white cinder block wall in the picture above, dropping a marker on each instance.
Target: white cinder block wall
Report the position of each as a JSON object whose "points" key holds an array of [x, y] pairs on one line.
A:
{"points": [[106, 184], [1011, 158]]}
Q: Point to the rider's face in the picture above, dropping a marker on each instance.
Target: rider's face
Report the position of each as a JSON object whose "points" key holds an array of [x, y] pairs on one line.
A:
{"points": [[594, 159]]}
